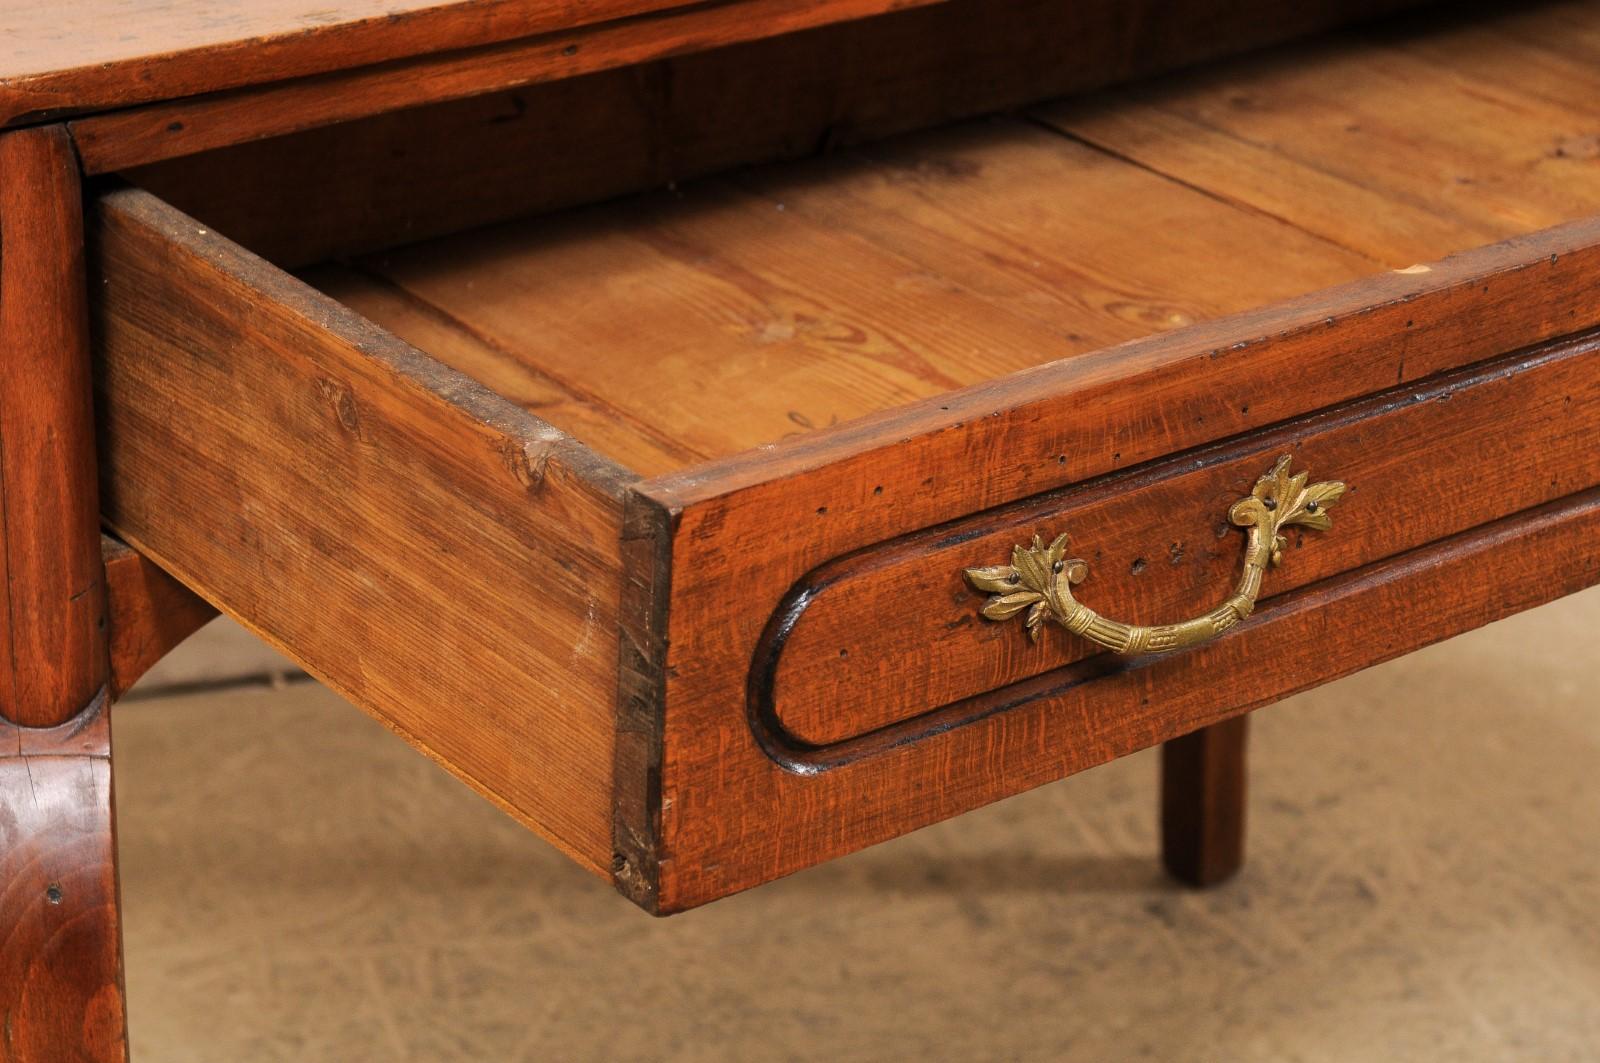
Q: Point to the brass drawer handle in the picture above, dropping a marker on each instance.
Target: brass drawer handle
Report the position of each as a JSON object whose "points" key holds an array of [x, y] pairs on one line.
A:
{"points": [[1040, 578]]}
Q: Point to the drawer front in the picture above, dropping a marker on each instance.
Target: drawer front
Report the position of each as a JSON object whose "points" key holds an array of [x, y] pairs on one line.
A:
{"points": [[806, 671], [895, 632]]}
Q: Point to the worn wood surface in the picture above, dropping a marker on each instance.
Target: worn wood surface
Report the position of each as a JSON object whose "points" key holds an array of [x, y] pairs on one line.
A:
{"points": [[728, 817], [103, 54], [483, 353], [150, 613], [1204, 789], [765, 314], [427, 171], [1423, 461], [121, 139], [52, 618], [61, 994], [441, 558], [1403, 146]]}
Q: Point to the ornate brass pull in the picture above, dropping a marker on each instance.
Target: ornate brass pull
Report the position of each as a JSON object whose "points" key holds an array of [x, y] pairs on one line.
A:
{"points": [[1040, 578]]}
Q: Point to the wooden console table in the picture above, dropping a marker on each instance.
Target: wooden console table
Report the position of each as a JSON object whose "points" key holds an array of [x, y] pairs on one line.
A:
{"points": [[728, 435]]}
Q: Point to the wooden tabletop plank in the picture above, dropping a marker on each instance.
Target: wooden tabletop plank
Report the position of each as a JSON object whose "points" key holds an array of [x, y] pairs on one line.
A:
{"points": [[102, 55], [97, 54], [186, 125]]}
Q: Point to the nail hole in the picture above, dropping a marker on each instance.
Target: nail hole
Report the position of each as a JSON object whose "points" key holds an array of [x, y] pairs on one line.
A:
{"points": [[843, 654], [52, 893], [1138, 565], [878, 490]]}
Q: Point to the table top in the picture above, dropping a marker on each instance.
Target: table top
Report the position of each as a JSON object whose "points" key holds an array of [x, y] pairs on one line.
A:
{"points": [[91, 55]]}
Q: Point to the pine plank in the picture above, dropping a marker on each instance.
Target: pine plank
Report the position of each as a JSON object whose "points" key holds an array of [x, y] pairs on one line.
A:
{"points": [[736, 313], [1059, 231], [628, 441], [1404, 147]]}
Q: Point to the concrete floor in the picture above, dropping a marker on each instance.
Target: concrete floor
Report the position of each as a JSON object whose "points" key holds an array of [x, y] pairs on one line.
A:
{"points": [[1423, 884]]}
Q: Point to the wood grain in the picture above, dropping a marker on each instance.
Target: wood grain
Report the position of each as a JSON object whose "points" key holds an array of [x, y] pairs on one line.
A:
{"points": [[151, 613], [1423, 461], [1405, 147], [729, 818], [105, 53], [61, 995], [52, 616], [1204, 788], [443, 559], [120, 139], [483, 352], [426, 171], [717, 319]]}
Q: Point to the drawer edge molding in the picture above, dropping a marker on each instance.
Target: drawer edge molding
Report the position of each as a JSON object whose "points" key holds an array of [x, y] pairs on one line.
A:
{"points": [[1421, 590]]}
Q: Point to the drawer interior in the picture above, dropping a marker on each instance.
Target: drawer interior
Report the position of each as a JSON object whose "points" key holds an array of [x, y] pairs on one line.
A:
{"points": [[718, 316]]}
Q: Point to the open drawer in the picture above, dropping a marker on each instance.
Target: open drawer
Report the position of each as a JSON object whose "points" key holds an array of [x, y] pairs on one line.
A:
{"points": [[652, 521]]}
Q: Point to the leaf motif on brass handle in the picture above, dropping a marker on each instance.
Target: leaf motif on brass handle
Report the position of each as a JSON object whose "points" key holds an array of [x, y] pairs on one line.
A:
{"points": [[1038, 583]]}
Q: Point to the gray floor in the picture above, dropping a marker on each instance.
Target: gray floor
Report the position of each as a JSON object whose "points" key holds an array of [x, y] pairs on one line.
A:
{"points": [[1424, 884]]}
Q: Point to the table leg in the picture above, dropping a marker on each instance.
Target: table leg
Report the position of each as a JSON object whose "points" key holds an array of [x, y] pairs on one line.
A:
{"points": [[60, 925], [1203, 803], [60, 929]]}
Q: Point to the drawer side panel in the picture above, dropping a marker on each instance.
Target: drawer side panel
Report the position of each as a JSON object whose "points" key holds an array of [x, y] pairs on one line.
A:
{"points": [[441, 558]]}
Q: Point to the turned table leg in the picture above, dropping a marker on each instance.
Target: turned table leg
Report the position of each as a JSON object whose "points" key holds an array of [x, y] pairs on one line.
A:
{"points": [[60, 942], [1203, 802]]}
